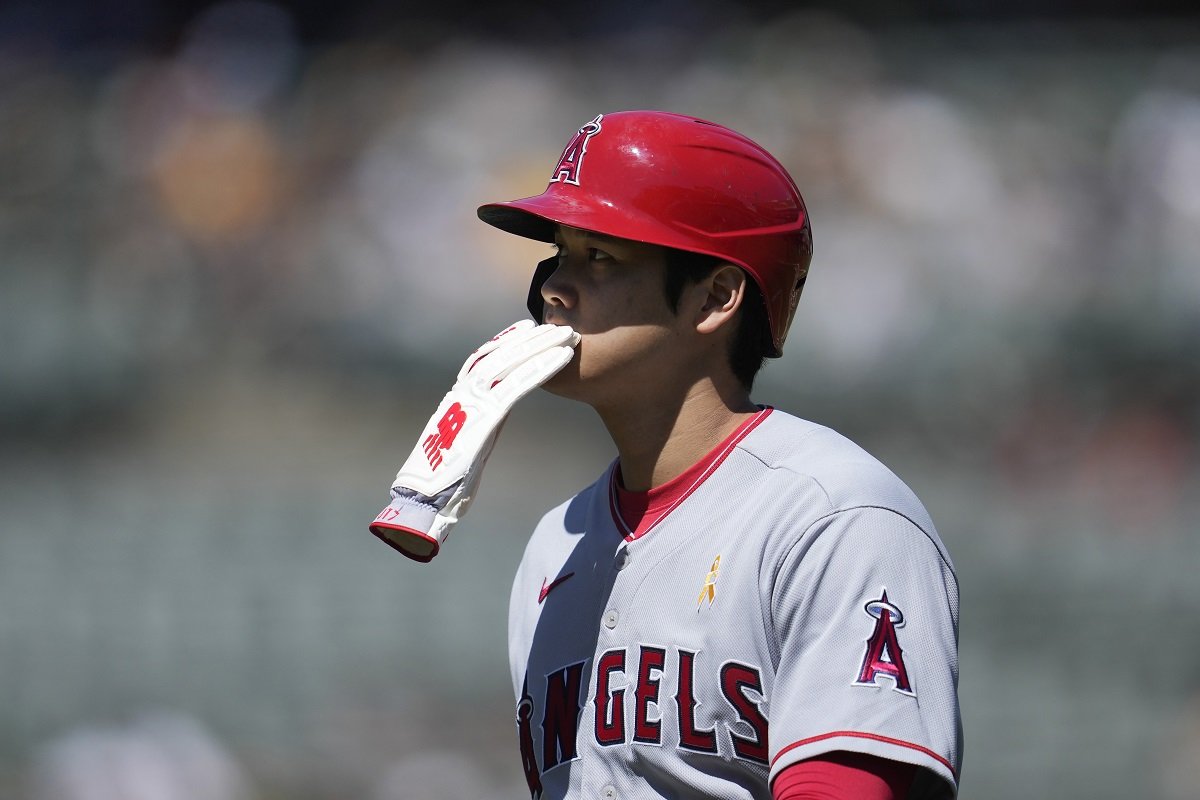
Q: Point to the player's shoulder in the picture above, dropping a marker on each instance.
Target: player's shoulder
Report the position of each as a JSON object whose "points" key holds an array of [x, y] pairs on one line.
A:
{"points": [[570, 516], [560, 529], [792, 450], [814, 482]]}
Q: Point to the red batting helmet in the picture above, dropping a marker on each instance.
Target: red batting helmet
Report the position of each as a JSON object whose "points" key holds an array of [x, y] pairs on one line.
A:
{"points": [[678, 182]]}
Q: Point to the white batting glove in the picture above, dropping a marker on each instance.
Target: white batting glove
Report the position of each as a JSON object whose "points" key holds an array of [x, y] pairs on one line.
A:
{"points": [[437, 483]]}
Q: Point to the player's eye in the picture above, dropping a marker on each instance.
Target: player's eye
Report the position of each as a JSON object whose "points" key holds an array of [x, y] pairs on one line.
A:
{"points": [[593, 253]]}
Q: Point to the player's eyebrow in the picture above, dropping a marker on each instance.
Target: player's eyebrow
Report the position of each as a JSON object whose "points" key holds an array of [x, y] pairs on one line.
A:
{"points": [[591, 237], [602, 238]]}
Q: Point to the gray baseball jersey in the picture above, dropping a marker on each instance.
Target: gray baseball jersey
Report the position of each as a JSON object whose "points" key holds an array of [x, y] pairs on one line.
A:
{"points": [[793, 600]]}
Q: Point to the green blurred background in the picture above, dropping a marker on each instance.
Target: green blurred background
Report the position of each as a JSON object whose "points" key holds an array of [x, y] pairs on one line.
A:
{"points": [[240, 264]]}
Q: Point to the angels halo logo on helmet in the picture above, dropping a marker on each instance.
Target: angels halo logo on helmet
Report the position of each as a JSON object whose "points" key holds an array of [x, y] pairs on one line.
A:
{"points": [[570, 163], [680, 182]]}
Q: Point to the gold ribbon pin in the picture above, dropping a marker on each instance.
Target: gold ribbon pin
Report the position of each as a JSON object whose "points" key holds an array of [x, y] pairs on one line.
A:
{"points": [[710, 584]]}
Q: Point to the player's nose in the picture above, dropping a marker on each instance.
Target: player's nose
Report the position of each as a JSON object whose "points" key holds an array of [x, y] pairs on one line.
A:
{"points": [[558, 291]]}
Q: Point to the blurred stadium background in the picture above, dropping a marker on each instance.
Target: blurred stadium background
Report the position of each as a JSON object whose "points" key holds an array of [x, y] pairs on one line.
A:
{"points": [[239, 265]]}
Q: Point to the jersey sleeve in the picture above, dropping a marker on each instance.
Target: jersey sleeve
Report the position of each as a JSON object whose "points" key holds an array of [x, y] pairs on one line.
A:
{"points": [[843, 776], [864, 609]]}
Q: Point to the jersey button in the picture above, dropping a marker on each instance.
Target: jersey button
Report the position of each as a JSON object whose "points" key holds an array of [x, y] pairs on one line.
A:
{"points": [[611, 618], [609, 793], [623, 558]]}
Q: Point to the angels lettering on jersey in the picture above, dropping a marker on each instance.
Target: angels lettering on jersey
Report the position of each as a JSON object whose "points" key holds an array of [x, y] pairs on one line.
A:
{"points": [[644, 694], [652, 695]]}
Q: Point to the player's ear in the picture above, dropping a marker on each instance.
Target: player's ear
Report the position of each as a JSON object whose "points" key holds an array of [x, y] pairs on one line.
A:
{"points": [[722, 290]]}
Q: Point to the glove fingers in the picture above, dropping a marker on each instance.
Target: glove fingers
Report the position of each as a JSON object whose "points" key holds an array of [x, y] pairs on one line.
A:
{"points": [[513, 351], [532, 373], [519, 330]]}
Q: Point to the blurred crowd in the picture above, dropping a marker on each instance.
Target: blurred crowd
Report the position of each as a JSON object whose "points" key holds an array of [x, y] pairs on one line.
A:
{"points": [[1006, 281], [1006, 222]]}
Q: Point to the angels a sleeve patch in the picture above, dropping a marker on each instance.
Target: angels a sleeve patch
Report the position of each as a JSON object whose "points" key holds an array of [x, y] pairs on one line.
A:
{"points": [[884, 657]]}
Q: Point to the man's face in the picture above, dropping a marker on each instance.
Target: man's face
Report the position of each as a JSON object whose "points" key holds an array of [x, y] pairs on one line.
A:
{"points": [[611, 291]]}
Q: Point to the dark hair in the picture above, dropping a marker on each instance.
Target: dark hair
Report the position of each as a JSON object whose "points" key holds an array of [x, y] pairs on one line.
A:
{"points": [[752, 340]]}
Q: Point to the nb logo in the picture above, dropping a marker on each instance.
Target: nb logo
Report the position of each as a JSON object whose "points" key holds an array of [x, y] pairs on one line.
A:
{"points": [[447, 431]]}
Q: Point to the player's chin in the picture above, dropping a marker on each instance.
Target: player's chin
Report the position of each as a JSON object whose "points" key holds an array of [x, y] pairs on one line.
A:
{"points": [[566, 380]]}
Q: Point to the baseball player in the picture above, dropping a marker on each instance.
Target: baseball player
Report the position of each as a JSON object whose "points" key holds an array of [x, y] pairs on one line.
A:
{"points": [[744, 604]]}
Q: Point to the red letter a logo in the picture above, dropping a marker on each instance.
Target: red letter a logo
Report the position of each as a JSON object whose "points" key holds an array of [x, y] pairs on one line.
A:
{"points": [[883, 656], [571, 160]]}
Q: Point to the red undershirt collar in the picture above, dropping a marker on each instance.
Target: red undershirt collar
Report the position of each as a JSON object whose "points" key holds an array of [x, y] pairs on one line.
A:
{"points": [[636, 513]]}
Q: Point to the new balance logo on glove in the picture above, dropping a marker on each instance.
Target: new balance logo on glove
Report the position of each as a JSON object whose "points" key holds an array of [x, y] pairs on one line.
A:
{"points": [[447, 429], [440, 477]]}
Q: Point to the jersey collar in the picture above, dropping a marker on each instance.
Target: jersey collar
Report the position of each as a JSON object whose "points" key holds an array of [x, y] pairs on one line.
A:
{"points": [[637, 513]]}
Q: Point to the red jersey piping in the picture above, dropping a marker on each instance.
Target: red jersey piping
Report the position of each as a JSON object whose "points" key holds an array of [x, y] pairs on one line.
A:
{"points": [[874, 737], [662, 500]]}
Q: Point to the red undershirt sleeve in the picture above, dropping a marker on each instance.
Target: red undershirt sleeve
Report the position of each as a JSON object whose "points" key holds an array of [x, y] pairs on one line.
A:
{"points": [[844, 776]]}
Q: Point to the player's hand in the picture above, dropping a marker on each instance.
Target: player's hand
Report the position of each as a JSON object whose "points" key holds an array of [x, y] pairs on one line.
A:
{"points": [[437, 483]]}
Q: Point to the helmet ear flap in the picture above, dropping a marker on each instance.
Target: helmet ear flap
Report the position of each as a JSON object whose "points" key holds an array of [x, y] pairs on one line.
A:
{"points": [[534, 301]]}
